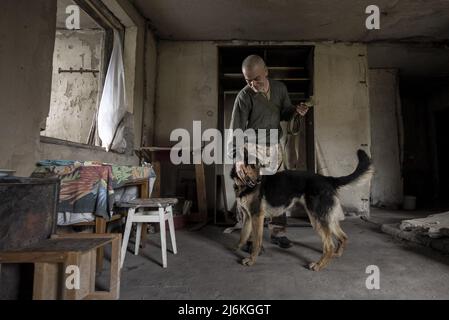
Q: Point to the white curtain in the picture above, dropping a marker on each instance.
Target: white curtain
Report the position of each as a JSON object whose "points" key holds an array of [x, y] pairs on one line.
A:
{"points": [[113, 103]]}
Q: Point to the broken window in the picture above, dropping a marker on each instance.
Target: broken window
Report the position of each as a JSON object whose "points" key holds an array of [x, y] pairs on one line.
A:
{"points": [[83, 47], [78, 75]]}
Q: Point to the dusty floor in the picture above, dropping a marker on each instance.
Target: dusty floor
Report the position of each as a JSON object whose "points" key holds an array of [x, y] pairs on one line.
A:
{"points": [[207, 268]]}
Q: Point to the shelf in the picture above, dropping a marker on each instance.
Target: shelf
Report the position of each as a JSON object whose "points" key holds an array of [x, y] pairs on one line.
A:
{"points": [[232, 75], [292, 79], [286, 68], [240, 76], [303, 94]]}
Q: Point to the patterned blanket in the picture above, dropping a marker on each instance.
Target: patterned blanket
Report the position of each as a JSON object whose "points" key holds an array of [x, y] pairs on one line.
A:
{"points": [[88, 187]]}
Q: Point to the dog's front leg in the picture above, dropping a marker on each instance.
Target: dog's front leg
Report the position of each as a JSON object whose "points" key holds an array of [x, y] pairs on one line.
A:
{"points": [[246, 229], [257, 228]]}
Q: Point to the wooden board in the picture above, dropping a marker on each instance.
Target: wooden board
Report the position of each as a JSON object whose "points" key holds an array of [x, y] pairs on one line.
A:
{"points": [[61, 245]]}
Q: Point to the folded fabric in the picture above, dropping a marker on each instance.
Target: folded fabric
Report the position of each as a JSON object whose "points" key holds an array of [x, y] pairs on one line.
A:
{"points": [[55, 162]]}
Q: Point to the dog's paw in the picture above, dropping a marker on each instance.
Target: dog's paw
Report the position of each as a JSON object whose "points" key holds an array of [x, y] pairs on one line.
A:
{"points": [[337, 254], [247, 262], [314, 266]]}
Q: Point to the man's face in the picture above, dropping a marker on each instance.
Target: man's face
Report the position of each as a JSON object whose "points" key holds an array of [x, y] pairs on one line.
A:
{"points": [[256, 78]]}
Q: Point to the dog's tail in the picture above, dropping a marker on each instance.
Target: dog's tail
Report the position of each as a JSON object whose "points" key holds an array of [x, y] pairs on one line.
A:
{"points": [[362, 173]]}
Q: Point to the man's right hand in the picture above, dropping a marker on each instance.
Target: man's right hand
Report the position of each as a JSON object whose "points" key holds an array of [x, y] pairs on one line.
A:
{"points": [[240, 169]]}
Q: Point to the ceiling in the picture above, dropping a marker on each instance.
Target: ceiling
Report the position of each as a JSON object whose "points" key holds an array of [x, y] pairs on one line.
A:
{"points": [[284, 20]]}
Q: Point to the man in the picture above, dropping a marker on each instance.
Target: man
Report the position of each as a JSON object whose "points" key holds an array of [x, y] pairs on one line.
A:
{"points": [[262, 104]]}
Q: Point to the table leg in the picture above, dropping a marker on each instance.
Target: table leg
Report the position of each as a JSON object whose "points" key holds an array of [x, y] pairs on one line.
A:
{"points": [[100, 227]]}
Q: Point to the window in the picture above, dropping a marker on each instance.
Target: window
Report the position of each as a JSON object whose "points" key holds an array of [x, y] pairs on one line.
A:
{"points": [[80, 62]]}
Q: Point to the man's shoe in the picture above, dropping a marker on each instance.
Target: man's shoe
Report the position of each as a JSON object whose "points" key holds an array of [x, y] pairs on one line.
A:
{"points": [[248, 247], [282, 242]]}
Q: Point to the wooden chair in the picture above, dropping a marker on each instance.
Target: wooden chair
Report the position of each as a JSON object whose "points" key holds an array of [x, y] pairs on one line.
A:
{"points": [[163, 212]]}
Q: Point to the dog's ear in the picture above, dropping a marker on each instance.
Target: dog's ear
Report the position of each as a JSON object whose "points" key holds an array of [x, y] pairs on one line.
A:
{"points": [[245, 156]]}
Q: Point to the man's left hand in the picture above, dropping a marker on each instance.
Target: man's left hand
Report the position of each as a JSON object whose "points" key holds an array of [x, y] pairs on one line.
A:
{"points": [[302, 109]]}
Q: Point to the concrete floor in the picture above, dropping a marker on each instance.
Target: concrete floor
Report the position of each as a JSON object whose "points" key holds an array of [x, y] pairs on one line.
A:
{"points": [[206, 267]]}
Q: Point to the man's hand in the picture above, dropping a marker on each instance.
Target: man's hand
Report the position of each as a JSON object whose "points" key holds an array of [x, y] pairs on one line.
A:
{"points": [[302, 109], [240, 169]]}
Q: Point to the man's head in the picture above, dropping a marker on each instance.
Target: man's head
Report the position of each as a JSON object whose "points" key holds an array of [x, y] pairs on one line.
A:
{"points": [[255, 73]]}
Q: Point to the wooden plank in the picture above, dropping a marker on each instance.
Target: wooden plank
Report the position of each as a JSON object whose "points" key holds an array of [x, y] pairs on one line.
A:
{"points": [[100, 228], [93, 265], [99, 295], [114, 285], [157, 184], [31, 257], [87, 275], [84, 224], [105, 236], [46, 280], [60, 246], [201, 191]]}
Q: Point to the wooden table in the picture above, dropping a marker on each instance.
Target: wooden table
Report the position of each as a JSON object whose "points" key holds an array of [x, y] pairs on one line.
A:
{"points": [[53, 257]]}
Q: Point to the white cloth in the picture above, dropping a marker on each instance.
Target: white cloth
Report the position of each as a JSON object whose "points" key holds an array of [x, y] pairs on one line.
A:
{"points": [[113, 103], [68, 218]]}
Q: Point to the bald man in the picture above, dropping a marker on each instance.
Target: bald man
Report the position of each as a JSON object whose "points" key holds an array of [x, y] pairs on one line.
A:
{"points": [[262, 104]]}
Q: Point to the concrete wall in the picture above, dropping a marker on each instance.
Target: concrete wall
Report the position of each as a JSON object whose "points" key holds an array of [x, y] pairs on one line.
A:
{"points": [[341, 112], [187, 87], [74, 97], [386, 125], [27, 37]]}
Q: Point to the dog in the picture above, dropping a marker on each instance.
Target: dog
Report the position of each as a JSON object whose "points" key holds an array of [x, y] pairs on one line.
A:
{"points": [[259, 196]]}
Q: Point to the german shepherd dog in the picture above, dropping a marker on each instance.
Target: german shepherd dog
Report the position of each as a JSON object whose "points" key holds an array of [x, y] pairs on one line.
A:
{"points": [[261, 196]]}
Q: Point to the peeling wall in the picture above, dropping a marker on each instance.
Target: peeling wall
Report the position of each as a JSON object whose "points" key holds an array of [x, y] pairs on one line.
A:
{"points": [[386, 122], [74, 97]]}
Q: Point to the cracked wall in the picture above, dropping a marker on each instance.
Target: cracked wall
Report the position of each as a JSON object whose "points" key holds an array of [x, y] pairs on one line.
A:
{"points": [[74, 96]]}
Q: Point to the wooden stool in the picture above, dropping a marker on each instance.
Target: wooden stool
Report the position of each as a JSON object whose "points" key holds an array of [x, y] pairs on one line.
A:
{"points": [[163, 213], [70, 250]]}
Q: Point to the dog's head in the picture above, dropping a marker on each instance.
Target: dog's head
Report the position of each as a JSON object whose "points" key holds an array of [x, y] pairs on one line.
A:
{"points": [[249, 175]]}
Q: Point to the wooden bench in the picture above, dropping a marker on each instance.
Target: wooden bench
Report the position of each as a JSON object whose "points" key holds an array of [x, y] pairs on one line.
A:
{"points": [[52, 257]]}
